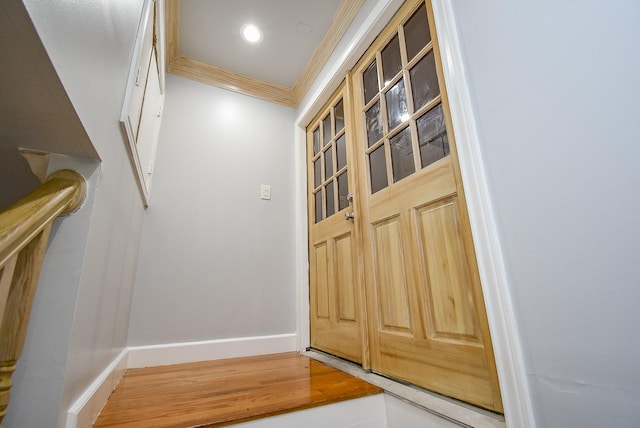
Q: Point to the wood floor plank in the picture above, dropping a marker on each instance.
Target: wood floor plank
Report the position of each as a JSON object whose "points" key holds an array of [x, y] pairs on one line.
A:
{"points": [[221, 392]]}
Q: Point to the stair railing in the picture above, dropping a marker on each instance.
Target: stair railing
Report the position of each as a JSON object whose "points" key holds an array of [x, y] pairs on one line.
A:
{"points": [[24, 232]]}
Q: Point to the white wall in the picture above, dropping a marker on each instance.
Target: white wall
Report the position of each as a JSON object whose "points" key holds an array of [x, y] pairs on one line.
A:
{"points": [[215, 260], [80, 316], [556, 97]]}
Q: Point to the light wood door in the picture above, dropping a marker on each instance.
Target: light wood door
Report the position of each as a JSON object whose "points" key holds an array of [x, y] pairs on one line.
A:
{"points": [[425, 308], [335, 301]]}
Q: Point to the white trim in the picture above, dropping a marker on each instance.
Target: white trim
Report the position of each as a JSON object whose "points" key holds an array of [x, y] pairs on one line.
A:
{"points": [[89, 405], [502, 321], [302, 243], [187, 352]]}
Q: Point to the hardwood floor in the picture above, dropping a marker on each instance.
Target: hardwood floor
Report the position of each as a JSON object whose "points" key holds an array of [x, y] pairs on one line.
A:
{"points": [[223, 392]]}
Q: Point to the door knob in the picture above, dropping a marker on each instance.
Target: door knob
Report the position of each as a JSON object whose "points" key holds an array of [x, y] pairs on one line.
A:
{"points": [[349, 216]]}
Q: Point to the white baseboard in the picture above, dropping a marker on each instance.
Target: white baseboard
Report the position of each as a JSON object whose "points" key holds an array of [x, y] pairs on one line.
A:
{"points": [[88, 406], [188, 352]]}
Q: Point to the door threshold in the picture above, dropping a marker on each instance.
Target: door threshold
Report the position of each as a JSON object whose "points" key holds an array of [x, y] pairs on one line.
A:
{"points": [[461, 413]]}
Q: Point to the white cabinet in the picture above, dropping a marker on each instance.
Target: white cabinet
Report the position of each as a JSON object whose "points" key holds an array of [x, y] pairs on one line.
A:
{"points": [[144, 97]]}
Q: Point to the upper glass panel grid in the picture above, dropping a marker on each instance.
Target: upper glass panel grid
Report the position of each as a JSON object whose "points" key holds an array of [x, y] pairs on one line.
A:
{"points": [[402, 105], [329, 162]]}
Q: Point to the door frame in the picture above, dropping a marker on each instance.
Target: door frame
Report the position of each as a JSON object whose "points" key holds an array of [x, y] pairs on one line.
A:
{"points": [[491, 265]]}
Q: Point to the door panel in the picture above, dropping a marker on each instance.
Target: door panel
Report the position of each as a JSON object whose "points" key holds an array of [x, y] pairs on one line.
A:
{"points": [[425, 310], [444, 262], [320, 280], [391, 277], [335, 320], [345, 279], [335, 303]]}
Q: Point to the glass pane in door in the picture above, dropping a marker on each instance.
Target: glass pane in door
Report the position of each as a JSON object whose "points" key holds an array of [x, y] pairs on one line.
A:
{"points": [[316, 141], [378, 169], [328, 163], [317, 197], [402, 155], [317, 173], [326, 130], [397, 108], [432, 136], [391, 61], [338, 112], [341, 152], [331, 206], [343, 191], [416, 32], [424, 81], [370, 80], [374, 124]]}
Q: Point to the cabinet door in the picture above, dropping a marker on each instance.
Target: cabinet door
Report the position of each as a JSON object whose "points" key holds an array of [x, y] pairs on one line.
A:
{"points": [[142, 109], [150, 119], [141, 69]]}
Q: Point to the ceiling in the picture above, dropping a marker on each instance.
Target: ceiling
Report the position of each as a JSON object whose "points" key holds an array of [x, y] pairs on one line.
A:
{"points": [[204, 43]]}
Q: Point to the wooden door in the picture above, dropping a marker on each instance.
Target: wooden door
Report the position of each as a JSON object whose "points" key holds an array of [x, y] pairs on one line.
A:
{"points": [[425, 308], [335, 312]]}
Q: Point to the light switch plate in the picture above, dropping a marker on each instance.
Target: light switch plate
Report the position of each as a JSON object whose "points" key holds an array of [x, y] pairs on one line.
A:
{"points": [[265, 192]]}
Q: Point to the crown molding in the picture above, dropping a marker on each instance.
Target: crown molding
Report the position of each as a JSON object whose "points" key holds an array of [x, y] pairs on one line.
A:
{"points": [[209, 74]]}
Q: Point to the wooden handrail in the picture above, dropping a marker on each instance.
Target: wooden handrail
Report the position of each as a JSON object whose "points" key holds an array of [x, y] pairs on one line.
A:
{"points": [[63, 192], [24, 232]]}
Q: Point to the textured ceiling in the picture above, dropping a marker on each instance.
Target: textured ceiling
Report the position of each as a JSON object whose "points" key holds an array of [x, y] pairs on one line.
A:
{"points": [[210, 33]]}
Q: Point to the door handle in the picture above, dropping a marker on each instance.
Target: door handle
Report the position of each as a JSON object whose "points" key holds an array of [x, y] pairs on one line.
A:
{"points": [[349, 216]]}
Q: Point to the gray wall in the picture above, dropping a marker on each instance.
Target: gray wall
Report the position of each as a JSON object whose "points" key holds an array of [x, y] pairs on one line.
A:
{"points": [[16, 178], [215, 260], [35, 111], [81, 310], [557, 102], [37, 393]]}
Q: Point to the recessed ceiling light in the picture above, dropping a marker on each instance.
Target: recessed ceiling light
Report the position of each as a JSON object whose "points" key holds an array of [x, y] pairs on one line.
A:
{"points": [[252, 34]]}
